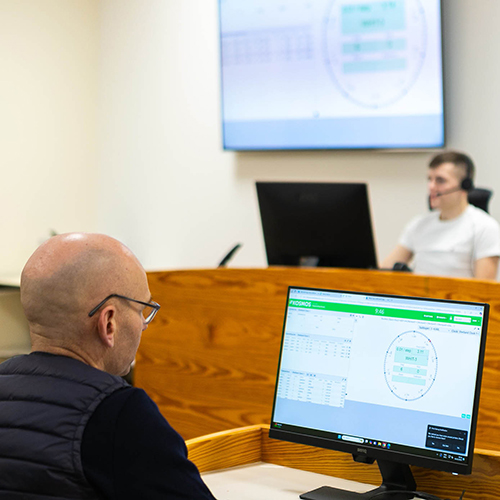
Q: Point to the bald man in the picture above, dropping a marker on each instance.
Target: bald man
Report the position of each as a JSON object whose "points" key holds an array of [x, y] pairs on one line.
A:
{"points": [[70, 426]]}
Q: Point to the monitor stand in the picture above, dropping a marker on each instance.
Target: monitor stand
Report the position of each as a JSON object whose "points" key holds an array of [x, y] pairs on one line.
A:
{"points": [[395, 476], [308, 261]]}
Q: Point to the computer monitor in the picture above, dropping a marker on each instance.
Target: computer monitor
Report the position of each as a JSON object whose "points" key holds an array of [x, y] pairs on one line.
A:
{"points": [[316, 224], [389, 378]]}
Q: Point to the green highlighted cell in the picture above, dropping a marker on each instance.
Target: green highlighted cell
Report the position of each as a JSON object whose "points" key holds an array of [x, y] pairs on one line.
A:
{"points": [[374, 46], [411, 356], [412, 350], [373, 17], [409, 370], [408, 380], [375, 66]]}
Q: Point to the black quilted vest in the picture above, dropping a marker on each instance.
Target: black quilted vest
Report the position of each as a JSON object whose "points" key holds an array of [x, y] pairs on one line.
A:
{"points": [[45, 403]]}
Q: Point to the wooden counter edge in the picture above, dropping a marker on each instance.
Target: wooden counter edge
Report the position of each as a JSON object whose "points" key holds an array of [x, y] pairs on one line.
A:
{"points": [[225, 449], [246, 445]]}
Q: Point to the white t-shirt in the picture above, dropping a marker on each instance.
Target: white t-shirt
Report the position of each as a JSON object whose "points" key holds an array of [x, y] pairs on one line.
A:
{"points": [[450, 247]]}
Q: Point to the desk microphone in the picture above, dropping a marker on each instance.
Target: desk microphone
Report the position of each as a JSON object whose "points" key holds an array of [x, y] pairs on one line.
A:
{"points": [[229, 255]]}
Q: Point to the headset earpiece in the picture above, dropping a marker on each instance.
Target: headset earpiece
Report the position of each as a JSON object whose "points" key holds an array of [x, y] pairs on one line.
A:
{"points": [[467, 184]]}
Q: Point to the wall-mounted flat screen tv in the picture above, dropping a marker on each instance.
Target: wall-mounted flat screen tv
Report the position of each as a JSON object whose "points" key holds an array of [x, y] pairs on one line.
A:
{"points": [[331, 74]]}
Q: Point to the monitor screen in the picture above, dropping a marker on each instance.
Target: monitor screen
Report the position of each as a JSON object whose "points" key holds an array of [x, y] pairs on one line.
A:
{"points": [[390, 378], [316, 224], [331, 74]]}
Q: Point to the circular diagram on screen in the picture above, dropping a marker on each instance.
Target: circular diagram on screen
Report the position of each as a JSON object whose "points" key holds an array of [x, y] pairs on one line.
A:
{"points": [[410, 365], [374, 50]]}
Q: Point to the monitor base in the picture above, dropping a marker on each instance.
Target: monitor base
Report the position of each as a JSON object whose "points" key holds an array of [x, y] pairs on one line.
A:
{"points": [[395, 477], [329, 493]]}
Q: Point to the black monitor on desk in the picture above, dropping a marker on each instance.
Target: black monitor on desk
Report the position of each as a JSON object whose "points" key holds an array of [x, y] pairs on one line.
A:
{"points": [[389, 378], [316, 224]]}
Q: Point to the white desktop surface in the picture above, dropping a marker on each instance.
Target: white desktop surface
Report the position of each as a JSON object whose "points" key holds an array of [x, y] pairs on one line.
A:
{"points": [[263, 481]]}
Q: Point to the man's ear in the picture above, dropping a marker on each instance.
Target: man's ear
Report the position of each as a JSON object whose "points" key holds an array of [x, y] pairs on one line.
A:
{"points": [[106, 325]]}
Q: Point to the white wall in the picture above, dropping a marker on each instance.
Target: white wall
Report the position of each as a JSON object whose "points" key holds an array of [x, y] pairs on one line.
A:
{"points": [[14, 336], [110, 121], [48, 89], [180, 201], [142, 78]]}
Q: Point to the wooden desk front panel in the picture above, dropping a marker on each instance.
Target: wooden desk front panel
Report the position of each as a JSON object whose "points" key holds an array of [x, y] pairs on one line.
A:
{"points": [[488, 427], [251, 444], [209, 359]]}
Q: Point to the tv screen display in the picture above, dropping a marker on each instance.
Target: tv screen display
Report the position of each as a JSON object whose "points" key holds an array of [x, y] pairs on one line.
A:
{"points": [[390, 378], [331, 74]]}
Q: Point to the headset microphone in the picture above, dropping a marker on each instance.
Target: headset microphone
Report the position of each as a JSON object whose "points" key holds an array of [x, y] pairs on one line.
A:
{"points": [[454, 190], [465, 185]]}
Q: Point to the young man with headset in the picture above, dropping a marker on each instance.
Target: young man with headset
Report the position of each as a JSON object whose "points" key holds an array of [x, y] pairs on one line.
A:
{"points": [[456, 239]]}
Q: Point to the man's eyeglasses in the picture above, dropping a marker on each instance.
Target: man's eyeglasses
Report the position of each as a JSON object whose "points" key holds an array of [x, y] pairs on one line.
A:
{"points": [[149, 312]]}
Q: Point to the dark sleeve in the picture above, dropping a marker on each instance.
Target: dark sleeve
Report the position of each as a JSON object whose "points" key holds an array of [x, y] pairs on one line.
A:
{"points": [[130, 451]]}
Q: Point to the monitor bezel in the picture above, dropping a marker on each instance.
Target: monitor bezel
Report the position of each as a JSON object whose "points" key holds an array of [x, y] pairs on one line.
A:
{"points": [[370, 453]]}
